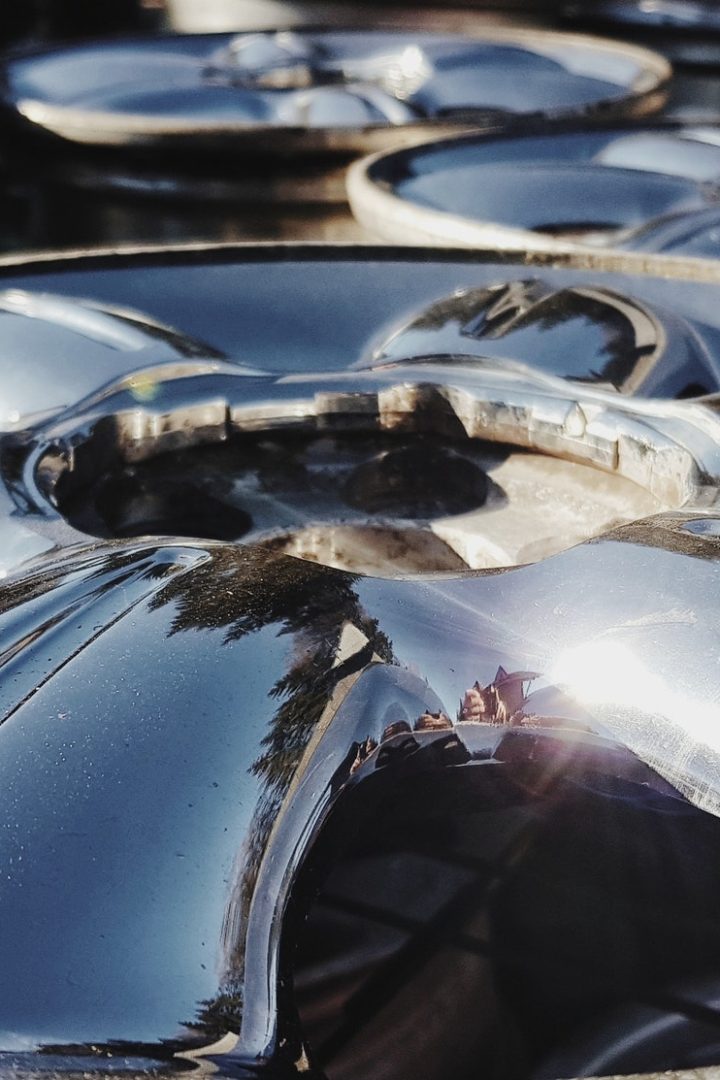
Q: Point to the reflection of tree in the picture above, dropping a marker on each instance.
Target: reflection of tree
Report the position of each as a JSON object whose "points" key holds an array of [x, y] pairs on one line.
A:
{"points": [[216, 1016], [666, 534], [460, 308], [526, 304], [100, 575], [497, 312], [620, 350], [243, 591]]}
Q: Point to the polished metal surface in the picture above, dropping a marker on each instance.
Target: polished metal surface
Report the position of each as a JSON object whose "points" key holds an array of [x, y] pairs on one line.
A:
{"points": [[654, 189], [359, 607], [637, 1035], [686, 32], [247, 136], [211, 751], [311, 431], [42, 335], [171, 871], [695, 234], [341, 88], [591, 334], [669, 451]]}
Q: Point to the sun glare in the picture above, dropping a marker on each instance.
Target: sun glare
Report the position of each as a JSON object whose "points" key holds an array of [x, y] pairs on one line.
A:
{"points": [[611, 673]]}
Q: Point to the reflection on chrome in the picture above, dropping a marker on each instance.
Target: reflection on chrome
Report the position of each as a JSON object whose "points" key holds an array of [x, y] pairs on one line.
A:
{"points": [[43, 333], [429, 455], [167, 86], [503, 701], [668, 449], [646, 189], [649, 707], [204, 745], [591, 334], [608, 673], [273, 816]]}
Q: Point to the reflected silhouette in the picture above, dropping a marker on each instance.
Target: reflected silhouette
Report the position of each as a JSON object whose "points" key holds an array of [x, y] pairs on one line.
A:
{"points": [[244, 590], [218, 1015], [590, 334], [195, 725], [502, 701]]}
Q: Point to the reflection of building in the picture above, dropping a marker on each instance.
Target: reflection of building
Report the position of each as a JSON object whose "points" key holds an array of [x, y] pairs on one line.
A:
{"points": [[433, 721], [500, 702]]}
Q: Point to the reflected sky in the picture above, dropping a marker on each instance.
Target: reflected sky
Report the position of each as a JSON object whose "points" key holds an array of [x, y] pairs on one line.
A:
{"points": [[160, 705], [590, 181], [590, 334], [314, 79], [265, 311], [153, 720], [124, 756]]}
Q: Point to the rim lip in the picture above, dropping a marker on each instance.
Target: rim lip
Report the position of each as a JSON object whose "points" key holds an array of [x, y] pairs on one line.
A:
{"points": [[644, 95], [395, 219], [690, 486], [697, 270], [51, 527], [131, 256]]}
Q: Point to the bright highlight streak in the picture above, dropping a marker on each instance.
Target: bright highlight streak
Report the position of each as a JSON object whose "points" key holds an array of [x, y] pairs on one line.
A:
{"points": [[607, 673]]}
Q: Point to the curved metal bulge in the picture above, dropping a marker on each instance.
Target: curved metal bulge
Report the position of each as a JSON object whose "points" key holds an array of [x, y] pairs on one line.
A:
{"points": [[42, 334], [598, 335], [194, 733], [525, 362], [181, 720], [697, 235], [668, 448]]}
